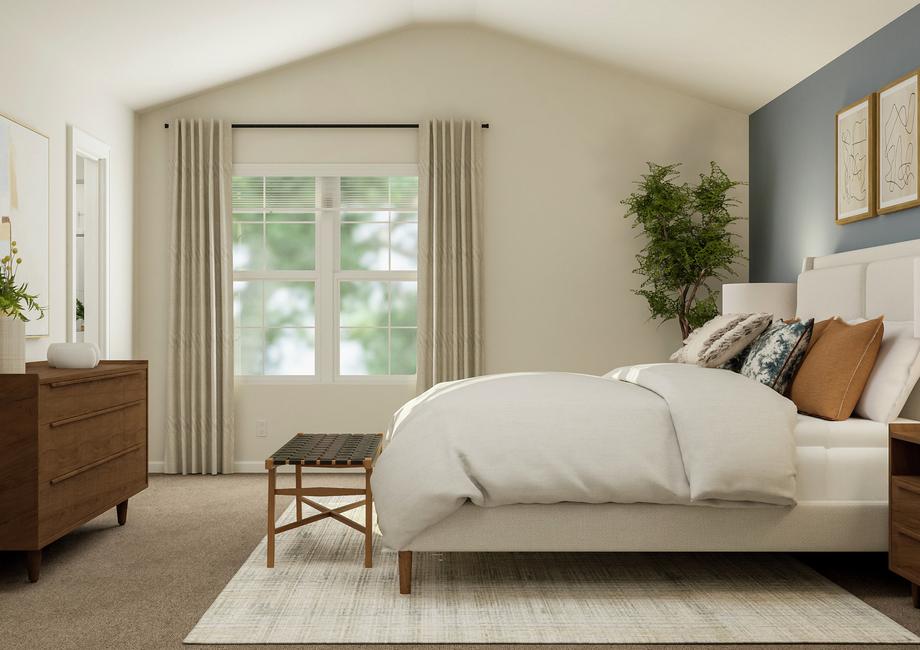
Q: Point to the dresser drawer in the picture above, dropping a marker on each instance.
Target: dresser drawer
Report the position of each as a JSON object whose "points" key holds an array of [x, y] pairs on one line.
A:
{"points": [[67, 398], [68, 501], [70, 443], [905, 502]]}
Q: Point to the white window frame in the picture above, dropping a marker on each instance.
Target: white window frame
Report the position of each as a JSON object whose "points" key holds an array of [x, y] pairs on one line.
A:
{"points": [[327, 276]]}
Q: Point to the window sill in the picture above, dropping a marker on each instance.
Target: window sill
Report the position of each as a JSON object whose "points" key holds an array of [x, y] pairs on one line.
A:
{"points": [[310, 380]]}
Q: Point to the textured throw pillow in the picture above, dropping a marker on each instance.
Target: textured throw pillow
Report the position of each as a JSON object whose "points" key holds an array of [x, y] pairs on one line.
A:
{"points": [[777, 354], [696, 341], [835, 370], [722, 346], [894, 376]]}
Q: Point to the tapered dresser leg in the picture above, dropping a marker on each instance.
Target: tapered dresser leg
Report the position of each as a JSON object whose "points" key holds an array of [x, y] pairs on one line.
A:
{"points": [[121, 510], [405, 572], [915, 595], [34, 564]]}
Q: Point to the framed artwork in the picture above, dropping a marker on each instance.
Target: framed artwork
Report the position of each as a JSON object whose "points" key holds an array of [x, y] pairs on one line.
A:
{"points": [[855, 154], [897, 145], [24, 209]]}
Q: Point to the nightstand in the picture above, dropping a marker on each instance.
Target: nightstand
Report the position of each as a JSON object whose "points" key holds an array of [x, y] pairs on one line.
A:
{"points": [[904, 503]]}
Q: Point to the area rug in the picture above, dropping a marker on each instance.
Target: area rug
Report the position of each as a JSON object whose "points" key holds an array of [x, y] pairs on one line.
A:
{"points": [[319, 592]]}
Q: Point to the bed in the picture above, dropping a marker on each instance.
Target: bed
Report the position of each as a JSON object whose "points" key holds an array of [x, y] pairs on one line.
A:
{"points": [[840, 487]]}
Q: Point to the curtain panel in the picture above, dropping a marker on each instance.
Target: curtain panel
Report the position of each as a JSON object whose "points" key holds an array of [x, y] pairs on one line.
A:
{"points": [[199, 427], [450, 251]]}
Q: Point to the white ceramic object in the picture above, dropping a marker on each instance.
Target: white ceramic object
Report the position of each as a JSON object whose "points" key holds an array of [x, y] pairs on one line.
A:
{"points": [[73, 355], [12, 346]]}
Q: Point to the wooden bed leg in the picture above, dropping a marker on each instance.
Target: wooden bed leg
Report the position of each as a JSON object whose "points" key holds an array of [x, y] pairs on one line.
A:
{"points": [[405, 572], [915, 594]]}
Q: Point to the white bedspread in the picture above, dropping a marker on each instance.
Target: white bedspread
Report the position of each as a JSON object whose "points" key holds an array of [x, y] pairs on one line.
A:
{"points": [[664, 433]]}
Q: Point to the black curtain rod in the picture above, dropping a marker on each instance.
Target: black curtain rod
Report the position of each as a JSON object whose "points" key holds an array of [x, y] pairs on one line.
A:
{"points": [[484, 125]]}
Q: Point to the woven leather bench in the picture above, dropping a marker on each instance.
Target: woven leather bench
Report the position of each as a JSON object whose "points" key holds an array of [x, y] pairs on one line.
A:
{"points": [[327, 450]]}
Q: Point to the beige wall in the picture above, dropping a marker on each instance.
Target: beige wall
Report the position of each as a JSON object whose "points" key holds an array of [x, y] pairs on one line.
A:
{"points": [[47, 96], [568, 138]]}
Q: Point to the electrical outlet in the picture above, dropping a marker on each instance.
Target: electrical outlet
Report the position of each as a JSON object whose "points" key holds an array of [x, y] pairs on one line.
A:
{"points": [[261, 429]]}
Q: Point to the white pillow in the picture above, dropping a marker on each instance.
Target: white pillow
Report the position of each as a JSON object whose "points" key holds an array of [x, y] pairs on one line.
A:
{"points": [[695, 343], [720, 339], [725, 346], [896, 371]]}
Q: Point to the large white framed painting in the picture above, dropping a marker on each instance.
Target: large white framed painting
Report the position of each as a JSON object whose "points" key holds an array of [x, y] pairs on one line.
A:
{"points": [[897, 147], [855, 148], [24, 206]]}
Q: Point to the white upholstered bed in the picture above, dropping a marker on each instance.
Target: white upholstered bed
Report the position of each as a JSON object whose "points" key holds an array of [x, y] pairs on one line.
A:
{"points": [[841, 484]]}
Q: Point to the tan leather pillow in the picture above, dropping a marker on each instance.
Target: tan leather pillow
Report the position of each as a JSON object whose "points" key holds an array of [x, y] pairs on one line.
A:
{"points": [[836, 368]]}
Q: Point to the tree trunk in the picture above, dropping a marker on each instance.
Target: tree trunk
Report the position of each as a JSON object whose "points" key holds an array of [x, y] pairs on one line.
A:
{"points": [[684, 326]]}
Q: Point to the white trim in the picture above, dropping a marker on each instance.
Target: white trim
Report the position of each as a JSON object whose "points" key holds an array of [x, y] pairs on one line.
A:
{"points": [[326, 276], [80, 143], [155, 467]]}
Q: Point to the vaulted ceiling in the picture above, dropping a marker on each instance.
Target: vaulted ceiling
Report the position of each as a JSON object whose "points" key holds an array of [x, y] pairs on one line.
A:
{"points": [[737, 53]]}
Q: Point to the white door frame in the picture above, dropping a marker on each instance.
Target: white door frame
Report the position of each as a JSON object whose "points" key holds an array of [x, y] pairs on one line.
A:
{"points": [[80, 143]]}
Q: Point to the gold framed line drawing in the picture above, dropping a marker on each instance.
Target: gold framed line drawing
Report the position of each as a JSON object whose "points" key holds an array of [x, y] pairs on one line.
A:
{"points": [[897, 144], [855, 180]]}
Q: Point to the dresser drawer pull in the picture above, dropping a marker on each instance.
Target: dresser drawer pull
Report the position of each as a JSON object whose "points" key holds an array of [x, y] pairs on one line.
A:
{"points": [[94, 414], [86, 380], [101, 461]]}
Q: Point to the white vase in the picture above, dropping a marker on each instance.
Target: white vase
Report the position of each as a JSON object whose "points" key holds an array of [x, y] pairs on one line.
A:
{"points": [[12, 346]]}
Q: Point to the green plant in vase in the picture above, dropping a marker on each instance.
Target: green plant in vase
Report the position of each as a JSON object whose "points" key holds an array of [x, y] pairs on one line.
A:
{"points": [[15, 299], [15, 305]]}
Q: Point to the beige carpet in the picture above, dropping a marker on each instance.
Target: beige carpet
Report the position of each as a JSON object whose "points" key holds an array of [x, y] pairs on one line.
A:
{"points": [[319, 592], [145, 585]]}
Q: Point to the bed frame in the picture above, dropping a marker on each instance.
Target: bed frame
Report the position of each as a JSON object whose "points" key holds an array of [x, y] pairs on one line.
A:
{"points": [[857, 284]]}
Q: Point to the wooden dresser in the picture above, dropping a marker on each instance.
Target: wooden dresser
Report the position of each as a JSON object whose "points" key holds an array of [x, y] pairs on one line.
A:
{"points": [[73, 444], [904, 503]]}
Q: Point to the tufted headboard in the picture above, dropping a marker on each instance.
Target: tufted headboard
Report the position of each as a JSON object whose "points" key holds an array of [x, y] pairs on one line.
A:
{"points": [[865, 283]]}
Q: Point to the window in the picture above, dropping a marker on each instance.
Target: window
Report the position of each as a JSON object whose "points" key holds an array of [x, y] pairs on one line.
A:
{"points": [[325, 274]]}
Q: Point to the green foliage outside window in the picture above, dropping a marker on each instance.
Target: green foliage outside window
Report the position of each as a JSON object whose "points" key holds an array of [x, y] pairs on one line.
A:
{"points": [[688, 242]]}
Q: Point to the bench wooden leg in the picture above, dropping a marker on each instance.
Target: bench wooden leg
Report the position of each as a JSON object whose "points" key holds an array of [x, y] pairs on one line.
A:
{"points": [[270, 543], [368, 518], [34, 564], [405, 572]]}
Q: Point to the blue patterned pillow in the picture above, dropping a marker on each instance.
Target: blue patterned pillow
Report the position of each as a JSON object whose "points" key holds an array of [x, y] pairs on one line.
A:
{"points": [[775, 357]]}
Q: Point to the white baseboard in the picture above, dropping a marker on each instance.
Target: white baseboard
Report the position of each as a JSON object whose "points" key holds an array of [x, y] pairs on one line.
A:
{"points": [[155, 467]]}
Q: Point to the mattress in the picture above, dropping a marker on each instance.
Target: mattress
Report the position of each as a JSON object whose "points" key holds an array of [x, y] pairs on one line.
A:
{"points": [[841, 461]]}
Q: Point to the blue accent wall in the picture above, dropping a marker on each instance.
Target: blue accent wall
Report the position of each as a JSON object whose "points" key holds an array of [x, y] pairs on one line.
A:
{"points": [[792, 158]]}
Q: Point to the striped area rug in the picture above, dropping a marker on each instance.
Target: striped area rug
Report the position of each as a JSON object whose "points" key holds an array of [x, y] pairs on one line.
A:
{"points": [[319, 592]]}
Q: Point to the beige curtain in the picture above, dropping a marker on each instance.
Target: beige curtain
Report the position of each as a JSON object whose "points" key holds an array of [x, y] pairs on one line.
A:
{"points": [[199, 426], [449, 257]]}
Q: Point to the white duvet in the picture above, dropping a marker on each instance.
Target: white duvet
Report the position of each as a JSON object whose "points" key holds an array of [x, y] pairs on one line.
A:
{"points": [[664, 433]]}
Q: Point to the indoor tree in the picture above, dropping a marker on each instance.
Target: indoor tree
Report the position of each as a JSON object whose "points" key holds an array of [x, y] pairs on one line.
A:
{"points": [[688, 242]]}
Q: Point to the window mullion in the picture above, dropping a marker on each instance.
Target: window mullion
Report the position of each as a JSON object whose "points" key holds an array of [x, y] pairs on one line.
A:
{"points": [[326, 317]]}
